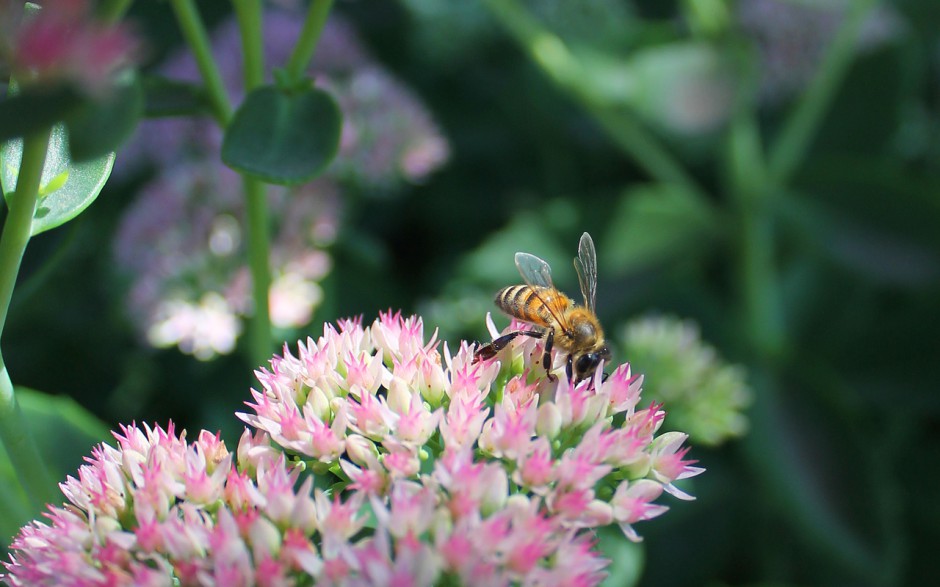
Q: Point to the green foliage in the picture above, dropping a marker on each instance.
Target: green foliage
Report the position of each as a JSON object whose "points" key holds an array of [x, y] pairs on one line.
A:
{"points": [[627, 558], [67, 187], [37, 108], [99, 126], [284, 137], [654, 224], [66, 433]]}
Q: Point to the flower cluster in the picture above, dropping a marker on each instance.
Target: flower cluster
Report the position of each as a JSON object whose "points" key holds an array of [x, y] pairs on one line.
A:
{"points": [[706, 396], [440, 470], [183, 243], [64, 43], [180, 244], [157, 509]]}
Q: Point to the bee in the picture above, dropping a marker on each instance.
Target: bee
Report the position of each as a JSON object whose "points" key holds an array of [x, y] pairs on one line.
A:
{"points": [[563, 324]]}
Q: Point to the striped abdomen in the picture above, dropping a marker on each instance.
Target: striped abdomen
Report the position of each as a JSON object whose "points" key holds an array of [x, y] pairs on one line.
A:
{"points": [[531, 304]]}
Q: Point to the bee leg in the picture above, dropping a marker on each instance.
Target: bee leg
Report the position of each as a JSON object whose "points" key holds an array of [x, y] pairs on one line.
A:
{"points": [[547, 355], [569, 366], [489, 350]]}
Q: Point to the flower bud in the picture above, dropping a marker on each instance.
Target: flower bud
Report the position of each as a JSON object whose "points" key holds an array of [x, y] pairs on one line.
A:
{"points": [[361, 450], [319, 403], [548, 422]]}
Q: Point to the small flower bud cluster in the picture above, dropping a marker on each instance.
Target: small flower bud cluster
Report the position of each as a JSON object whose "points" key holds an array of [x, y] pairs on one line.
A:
{"points": [[706, 396]]}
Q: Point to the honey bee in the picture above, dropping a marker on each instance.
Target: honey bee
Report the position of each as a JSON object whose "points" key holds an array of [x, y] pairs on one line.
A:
{"points": [[555, 317]]}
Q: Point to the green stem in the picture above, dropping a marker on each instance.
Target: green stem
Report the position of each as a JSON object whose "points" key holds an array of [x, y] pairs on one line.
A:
{"points": [[551, 54], [259, 245], [760, 292], [259, 262], [249, 15], [791, 146], [112, 10], [198, 40], [309, 37], [250, 26], [19, 443]]}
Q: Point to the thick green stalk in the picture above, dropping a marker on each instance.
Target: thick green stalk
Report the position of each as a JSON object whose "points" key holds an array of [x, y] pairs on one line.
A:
{"points": [[112, 10], [259, 247], [198, 40], [563, 68], [20, 445], [791, 145], [309, 37], [259, 226], [250, 27], [759, 283], [249, 14]]}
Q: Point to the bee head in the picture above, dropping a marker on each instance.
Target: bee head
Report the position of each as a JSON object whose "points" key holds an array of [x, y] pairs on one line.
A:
{"points": [[586, 363]]}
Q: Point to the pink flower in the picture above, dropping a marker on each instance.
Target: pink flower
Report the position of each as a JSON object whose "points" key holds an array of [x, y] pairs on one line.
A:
{"points": [[462, 424], [509, 433], [536, 469], [64, 43], [161, 527], [501, 496], [633, 503]]}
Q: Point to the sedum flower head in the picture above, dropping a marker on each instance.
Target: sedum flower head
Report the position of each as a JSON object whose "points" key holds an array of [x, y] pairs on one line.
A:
{"points": [[62, 42], [440, 469], [707, 396]]}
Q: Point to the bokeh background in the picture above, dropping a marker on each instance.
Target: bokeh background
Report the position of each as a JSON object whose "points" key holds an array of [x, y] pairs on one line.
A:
{"points": [[761, 180]]}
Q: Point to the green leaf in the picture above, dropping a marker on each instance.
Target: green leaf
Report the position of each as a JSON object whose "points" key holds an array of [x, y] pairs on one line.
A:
{"points": [[626, 558], [34, 109], [492, 263], [284, 138], [67, 187], [655, 223], [13, 503], [98, 127], [65, 432]]}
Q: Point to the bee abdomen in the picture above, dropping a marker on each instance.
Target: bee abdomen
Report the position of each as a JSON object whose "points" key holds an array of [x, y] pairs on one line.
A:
{"points": [[523, 302]]}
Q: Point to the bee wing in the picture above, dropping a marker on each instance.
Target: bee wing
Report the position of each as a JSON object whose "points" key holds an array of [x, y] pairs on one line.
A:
{"points": [[535, 272], [586, 266]]}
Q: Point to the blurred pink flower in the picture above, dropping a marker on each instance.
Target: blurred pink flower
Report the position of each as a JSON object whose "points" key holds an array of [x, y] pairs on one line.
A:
{"points": [[466, 491], [63, 42]]}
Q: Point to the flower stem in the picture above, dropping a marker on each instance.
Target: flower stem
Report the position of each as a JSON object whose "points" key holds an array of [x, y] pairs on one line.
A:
{"points": [[19, 443], [791, 146], [752, 191], [249, 17], [111, 11], [259, 247], [309, 37], [258, 221], [563, 68], [198, 40]]}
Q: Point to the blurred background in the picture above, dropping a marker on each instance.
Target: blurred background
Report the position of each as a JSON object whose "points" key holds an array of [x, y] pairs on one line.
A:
{"points": [[760, 178]]}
